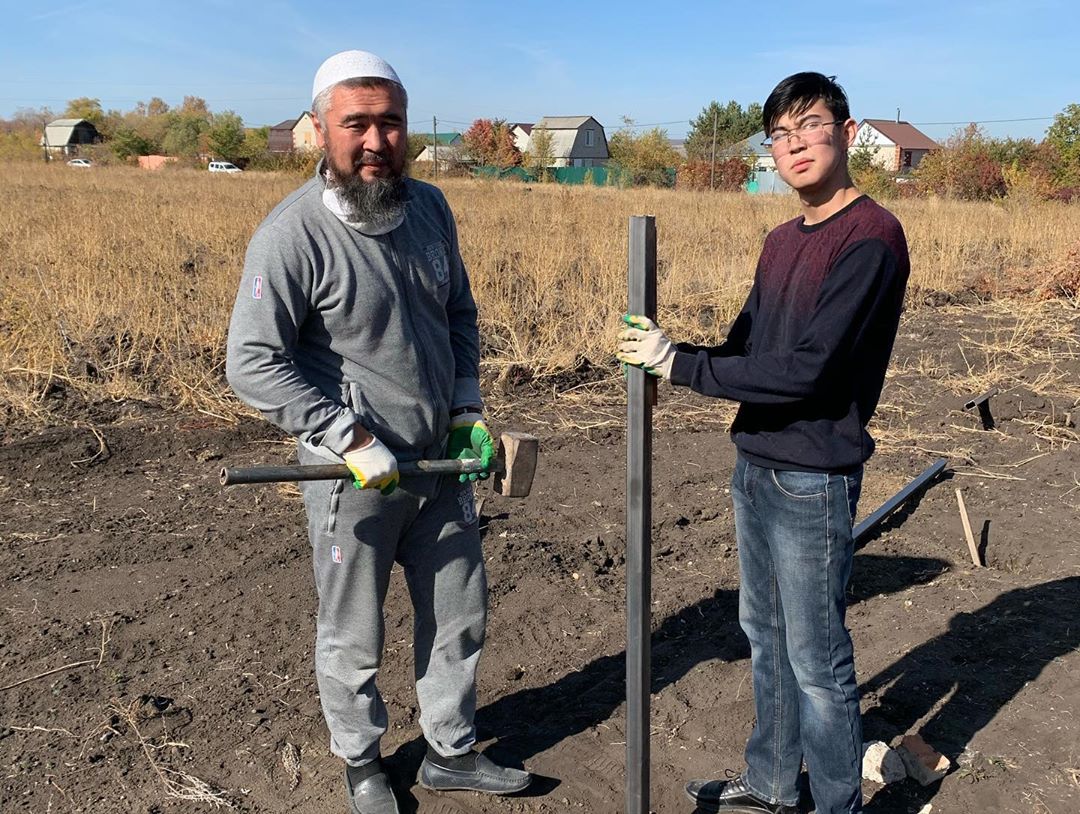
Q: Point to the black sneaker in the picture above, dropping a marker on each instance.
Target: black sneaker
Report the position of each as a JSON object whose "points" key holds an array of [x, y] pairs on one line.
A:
{"points": [[732, 796]]}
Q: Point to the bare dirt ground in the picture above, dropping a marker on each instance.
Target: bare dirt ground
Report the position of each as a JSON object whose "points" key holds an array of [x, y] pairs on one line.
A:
{"points": [[156, 630]]}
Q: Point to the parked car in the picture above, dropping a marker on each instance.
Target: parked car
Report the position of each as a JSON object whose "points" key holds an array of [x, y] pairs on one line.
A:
{"points": [[80, 162], [223, 166]]}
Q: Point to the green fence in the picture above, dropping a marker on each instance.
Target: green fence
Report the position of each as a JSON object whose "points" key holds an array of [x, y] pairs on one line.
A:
{"points": [[598, 176]]}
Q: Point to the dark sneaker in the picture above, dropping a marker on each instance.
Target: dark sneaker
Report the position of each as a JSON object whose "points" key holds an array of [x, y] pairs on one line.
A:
{"points": [[470, 772], [369, 790], [732, 796]]}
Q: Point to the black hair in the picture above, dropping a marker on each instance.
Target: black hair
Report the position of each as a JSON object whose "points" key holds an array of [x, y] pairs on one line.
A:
{"points": [[799, 92]]}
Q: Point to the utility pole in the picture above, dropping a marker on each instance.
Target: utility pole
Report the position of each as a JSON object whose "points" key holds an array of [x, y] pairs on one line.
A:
{"points": [[712, 161], [434, 148]]}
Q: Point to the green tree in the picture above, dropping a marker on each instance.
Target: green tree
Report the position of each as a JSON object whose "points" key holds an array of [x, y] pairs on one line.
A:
{"points": [[195, 106], [183, 135], [85, 108], [541, 153], [256, 142], [110, 124], [156, 107], [416, 144], [733, 124], [861, 158], [186, 128], [1064, 134], [128, 142], [1012, 151], [149, 121], [225, 137], [643, 158]]}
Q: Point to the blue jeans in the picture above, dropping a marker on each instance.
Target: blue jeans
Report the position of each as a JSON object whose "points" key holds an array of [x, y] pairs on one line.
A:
{"points": [[795, 553]]}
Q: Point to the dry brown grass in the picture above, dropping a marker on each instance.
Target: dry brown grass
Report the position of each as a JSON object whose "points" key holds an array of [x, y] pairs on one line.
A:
{"points": [[117, 283]]}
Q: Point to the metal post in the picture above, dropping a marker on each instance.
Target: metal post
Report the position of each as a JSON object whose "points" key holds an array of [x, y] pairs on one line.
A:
{"points": [[640, 398], [712, 161]]}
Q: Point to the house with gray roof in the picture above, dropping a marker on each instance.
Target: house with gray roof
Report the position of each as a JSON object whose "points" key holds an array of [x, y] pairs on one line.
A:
{"points": [[520, 131], [576, 141], [292, 135], [763, 177], [753, 146], [65, 136]]}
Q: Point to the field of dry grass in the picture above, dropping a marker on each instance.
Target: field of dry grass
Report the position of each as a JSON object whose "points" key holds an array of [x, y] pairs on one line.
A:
{"points": [[117, 283]]}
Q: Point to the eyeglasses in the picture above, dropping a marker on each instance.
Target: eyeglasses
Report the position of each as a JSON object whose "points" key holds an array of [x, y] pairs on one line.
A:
{"points": [[811, 132]]}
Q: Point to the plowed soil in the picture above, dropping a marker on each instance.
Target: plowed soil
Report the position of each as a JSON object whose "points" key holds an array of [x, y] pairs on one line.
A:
{"points": [[156, 630]]}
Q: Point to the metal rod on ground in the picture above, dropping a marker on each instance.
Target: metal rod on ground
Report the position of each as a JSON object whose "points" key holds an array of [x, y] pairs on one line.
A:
{"points": [[640, 398], [889, 506]]}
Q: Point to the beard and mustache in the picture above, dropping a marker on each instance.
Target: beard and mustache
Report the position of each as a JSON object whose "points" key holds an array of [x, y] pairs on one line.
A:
{"points": [[376, 201]]}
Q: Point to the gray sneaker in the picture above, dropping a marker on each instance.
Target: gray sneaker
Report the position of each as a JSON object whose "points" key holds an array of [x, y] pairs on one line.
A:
{"points": [[369, 791], [470, 772]]}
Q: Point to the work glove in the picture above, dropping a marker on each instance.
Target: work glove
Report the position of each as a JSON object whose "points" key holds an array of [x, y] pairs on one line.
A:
{"points": [[471, 438], [373, 467], [644, 345]]}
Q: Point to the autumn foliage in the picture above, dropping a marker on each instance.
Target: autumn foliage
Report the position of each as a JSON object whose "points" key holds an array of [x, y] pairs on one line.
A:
{"points": [[730, 174], [489, 142]]}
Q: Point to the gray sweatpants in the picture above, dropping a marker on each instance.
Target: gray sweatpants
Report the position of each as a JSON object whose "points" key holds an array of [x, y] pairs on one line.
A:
{"points": [[429, 525]]}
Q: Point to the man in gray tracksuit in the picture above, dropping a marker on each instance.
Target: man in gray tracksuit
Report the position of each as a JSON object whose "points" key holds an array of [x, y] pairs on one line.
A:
{"points": [[354, 330]]}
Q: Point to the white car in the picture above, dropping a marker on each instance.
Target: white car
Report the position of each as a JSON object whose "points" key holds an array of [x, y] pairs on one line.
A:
{"points": [[80, 162], [223, 166]]}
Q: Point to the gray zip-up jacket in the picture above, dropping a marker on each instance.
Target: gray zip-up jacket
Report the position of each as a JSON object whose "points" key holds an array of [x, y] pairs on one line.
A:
{"points": [[332, 327]]}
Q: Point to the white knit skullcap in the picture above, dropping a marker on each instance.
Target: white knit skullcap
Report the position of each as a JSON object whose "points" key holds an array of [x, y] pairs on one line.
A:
{"points": [[351, 65]]}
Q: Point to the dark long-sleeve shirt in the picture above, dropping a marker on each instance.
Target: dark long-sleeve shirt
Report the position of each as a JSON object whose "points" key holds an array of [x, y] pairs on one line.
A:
{"points": [[807, 355]]}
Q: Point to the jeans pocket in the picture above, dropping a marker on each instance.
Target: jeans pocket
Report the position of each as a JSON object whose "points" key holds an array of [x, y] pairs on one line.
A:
{"points": [[800, 485]]}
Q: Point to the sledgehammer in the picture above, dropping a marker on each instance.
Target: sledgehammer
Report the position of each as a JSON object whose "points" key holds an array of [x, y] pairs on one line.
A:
{"points": [[514, 468]]}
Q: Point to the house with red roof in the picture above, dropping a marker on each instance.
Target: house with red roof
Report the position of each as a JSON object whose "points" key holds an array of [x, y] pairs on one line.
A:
{"points": [[898, 146]]}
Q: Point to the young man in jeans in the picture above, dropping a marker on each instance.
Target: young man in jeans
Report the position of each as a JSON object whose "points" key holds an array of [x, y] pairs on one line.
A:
{"points": [[806, 359]]}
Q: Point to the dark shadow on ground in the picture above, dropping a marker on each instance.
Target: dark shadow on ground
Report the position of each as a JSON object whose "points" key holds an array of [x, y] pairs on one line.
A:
{"points": [[979, 665], [534, 720]]}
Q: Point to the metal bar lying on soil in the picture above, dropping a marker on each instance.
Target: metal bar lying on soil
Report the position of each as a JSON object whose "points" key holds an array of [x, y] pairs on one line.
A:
{"points": [[923, 480]]}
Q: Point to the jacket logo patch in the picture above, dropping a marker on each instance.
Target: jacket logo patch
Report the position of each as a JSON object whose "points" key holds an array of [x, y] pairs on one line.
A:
{"points": [[437, 255], [256, 288], [467, 503]]}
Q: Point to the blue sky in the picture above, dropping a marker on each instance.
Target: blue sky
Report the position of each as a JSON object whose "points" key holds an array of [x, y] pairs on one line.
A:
{"points": [[941, 63]]}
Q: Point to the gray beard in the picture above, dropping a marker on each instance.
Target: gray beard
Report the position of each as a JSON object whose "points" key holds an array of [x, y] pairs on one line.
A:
{"points": [[377, 201]]}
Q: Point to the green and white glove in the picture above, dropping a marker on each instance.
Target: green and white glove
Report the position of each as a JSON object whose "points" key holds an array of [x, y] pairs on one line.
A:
{"points": [[644, 345], [471, 438], [373, 467]]}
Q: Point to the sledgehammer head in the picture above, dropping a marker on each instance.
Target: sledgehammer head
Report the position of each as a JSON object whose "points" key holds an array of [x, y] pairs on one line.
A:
{"points": [[516, 464]]}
